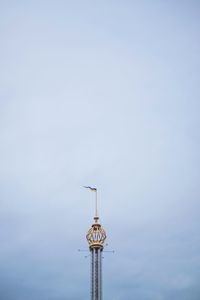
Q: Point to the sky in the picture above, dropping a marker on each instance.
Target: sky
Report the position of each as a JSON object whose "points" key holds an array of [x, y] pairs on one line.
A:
{"points": [[100, 93]]}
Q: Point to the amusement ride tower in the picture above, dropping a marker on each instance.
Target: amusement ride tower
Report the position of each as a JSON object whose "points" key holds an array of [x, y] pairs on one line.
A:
{"points": [[96, 237]]}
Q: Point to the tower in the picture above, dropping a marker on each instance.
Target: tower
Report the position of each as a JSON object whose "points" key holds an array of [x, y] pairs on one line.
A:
{"points": [[96, 236]]}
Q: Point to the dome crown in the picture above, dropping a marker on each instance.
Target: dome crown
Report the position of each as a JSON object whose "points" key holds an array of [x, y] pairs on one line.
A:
{"points": [[96, 236]]}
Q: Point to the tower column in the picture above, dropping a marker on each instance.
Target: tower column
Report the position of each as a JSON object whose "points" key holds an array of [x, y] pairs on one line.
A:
{"points": [[96, 273]]}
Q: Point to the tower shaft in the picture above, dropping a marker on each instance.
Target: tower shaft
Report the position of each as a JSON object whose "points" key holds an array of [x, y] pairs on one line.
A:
{"points": [[96, 273]]}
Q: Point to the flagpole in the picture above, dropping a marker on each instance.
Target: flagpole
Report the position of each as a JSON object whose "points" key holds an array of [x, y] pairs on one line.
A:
{"points": [[96, 212], [93, 189]]}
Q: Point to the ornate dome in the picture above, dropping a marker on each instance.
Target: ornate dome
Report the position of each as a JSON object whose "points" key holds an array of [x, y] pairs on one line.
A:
{"points": [[96, 236]]}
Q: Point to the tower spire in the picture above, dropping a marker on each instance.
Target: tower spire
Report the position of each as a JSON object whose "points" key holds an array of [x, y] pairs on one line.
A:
{"points": [[96, 208], [93, 189]]}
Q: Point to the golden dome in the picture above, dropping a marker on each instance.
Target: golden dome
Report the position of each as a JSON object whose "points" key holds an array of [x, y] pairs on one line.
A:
{"points": [[96, 236]]}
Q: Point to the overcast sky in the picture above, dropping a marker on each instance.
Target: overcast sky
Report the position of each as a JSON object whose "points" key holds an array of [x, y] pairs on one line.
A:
{"points": [[102, 93]]}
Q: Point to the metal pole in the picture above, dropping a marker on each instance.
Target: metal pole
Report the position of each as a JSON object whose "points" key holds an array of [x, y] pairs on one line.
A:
{"points": [[96, 210]]}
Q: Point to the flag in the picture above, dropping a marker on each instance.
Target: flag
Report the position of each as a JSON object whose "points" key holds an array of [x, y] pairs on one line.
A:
{"points": [[93, 189]]}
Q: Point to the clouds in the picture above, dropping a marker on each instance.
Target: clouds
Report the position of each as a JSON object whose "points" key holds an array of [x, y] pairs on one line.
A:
{"points": [[103, 94]]}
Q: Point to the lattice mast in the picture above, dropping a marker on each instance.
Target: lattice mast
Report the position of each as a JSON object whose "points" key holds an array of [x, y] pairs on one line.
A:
{"points": [[96, 237]]}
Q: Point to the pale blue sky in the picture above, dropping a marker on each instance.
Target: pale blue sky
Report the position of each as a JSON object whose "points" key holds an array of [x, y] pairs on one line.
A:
{"points": [[102, 93]]}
